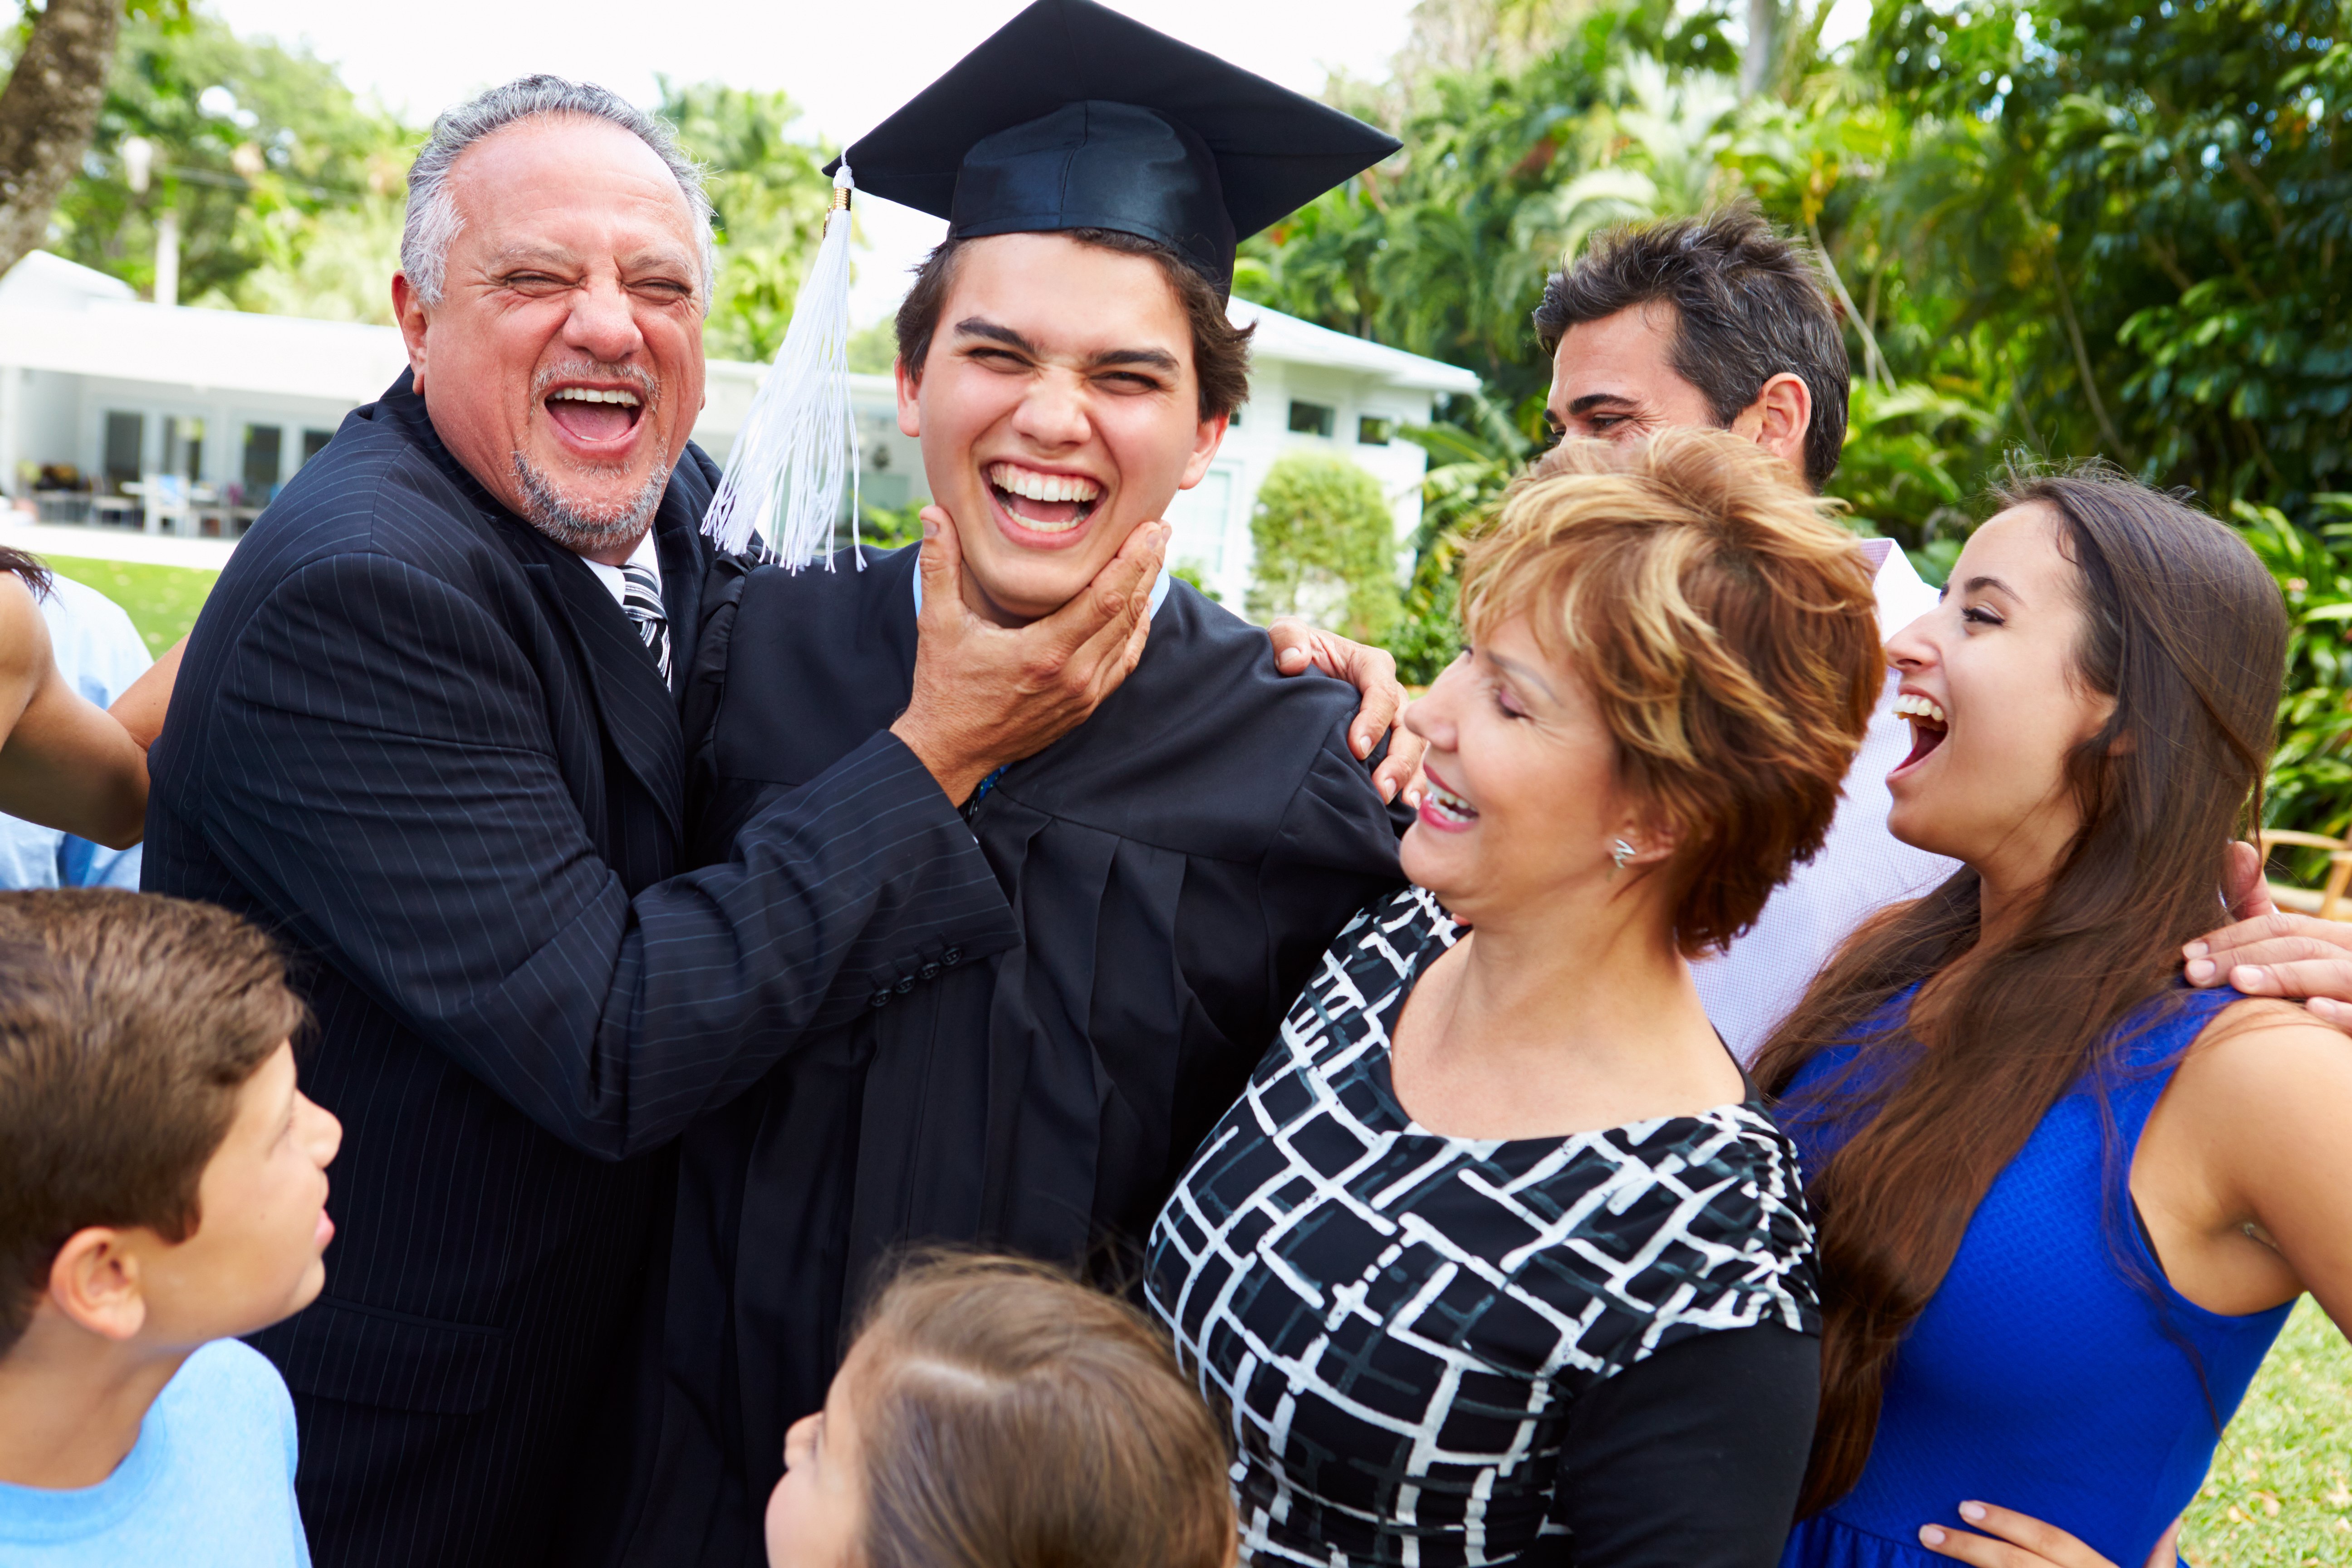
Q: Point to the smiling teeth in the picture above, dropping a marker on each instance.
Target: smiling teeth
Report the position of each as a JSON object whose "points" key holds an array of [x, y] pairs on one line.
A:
{"points": [[1449, 805], [1034, 486], [1908, 706], [592, 394]]}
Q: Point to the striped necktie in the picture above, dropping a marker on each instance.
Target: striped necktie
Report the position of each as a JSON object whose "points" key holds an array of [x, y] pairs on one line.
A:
{"points": [[641, 601]]}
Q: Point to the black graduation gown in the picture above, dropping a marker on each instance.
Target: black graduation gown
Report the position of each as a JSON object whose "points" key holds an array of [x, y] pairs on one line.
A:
{"points": [[1177, 866]]}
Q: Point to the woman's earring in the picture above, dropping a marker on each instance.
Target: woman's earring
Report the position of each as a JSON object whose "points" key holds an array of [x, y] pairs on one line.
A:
{"points": [[1619, 853]]}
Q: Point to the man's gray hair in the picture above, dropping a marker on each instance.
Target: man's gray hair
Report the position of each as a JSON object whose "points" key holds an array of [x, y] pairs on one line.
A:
{"points": [[433, 217]]}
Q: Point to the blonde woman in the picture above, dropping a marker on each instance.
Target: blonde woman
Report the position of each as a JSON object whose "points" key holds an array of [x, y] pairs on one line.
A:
{"points": [[1499, 1246]]}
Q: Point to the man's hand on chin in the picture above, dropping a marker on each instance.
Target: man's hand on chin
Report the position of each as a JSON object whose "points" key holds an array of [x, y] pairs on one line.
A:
{"points": [[2266, 951], [1299, 647], [987, 695]]}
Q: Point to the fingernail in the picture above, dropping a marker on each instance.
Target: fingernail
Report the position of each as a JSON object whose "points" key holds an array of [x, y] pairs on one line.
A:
{"points": [[2196, 950], [2246, 976], [931, 528], [1931, 1536], [1387, 793], [1974, 1512], [2200, 971]]}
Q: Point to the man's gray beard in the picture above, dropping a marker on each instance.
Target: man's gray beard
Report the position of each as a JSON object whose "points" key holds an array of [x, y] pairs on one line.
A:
{"points": [[584, 533]]}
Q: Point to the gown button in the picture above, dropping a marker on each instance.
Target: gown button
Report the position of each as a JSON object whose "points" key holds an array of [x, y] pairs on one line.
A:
{"points": [[906, 984], [929, 972], [880, 998], [951, 957]]}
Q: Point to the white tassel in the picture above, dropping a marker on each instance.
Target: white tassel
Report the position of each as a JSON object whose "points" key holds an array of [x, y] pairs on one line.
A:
{"points": [[783, 477]]}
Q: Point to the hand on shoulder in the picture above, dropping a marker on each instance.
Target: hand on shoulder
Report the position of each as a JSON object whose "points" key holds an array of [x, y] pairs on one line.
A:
{"points": [[2269, 951]]}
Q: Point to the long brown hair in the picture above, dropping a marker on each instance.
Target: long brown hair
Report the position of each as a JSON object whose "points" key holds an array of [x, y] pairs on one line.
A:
{"points": [[2187, 632], [32, 569], [1012, 1418]]}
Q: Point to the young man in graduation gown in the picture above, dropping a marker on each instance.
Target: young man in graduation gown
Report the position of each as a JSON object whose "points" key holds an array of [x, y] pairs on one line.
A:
{"points": [[1175, 865]]}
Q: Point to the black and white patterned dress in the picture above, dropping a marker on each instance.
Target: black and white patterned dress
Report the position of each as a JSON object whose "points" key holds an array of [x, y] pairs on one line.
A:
{"points": [[1404, 1325]]}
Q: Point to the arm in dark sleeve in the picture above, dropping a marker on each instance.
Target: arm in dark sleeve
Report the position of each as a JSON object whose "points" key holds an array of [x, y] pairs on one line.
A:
{"points": [[383, 774], [1336, 852], [1692, 1457]]}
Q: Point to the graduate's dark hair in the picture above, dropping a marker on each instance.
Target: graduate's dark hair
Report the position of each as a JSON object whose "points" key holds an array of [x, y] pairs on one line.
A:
{"points": [[2183, 627], [1220, 349], [1010, 1418]]}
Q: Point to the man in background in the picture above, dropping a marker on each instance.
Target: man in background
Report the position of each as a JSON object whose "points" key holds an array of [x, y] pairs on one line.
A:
{"points": [[1718, 322]]}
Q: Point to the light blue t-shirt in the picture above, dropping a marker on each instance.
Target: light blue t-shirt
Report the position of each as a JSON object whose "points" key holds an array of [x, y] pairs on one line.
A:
{"points": [[100, 653], [209, 1484]]}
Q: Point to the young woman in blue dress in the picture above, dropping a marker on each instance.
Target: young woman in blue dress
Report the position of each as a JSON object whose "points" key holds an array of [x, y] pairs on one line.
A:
{"points": [[2065, 1202]]}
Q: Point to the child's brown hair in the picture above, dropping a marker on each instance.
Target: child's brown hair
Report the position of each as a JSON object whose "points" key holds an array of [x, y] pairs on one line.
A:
{"points": [[128, 1023], [1011, 1417]]}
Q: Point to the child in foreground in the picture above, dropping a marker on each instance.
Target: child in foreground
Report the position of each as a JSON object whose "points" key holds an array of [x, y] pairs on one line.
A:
{"points": [[994, 1413], [163, 1190]]}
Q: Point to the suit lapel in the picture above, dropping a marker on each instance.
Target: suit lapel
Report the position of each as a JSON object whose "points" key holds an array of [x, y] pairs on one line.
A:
{"points": [[639, 713]]}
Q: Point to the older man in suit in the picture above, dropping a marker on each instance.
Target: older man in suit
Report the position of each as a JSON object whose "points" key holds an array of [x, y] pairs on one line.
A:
{"points": [[427, 730]]}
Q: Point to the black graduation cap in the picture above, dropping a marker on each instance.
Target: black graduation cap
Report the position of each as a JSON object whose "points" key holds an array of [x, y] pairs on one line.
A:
{"points": [[1073, 115]]}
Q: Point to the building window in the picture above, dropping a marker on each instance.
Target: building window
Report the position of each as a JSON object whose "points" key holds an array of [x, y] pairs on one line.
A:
{"points": [[1312, 418], [125, 434], [1373, 431], [183, 447], [315, 442], [262, 446]]}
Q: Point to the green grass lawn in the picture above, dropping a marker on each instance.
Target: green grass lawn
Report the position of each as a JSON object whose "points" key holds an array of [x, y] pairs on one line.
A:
{"points": [[2281, 1489], [163, 600], [2281, 1493]]}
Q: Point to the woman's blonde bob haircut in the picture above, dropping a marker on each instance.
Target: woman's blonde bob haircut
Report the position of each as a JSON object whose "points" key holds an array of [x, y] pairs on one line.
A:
{"points": [[1727, 628]]}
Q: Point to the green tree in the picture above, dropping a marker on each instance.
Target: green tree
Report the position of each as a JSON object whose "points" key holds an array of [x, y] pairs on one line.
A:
{"points": [[769, 196], [2149, 210], [255, 147], [1326, 547], [1443, 249]]}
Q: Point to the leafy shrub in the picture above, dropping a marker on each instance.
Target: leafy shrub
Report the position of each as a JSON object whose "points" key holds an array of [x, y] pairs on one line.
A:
{"points": [[1326, 544], [2310, 785]]}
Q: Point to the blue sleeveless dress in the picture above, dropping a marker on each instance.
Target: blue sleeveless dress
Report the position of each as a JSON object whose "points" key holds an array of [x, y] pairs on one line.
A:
{"points": [[2041, 1377]]}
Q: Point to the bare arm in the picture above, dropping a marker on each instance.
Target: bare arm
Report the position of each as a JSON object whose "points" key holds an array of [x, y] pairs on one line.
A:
{"points": [[2244, 1173], [64, 763], [139, 709], [2244, 1179]]}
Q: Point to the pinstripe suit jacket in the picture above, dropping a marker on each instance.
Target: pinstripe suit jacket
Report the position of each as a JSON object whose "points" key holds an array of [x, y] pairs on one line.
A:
{"points": [[422, 744]]}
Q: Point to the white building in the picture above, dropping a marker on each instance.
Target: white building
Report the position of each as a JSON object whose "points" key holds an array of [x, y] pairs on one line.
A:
{"points": [[223, 406]]}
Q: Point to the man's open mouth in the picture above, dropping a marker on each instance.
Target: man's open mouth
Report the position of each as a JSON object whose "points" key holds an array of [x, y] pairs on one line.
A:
{"points": [[1049, 503], [1928, 725], [595, 413]]}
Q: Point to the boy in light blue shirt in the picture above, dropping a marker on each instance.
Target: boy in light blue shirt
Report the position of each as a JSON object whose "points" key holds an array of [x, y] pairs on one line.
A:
{"points": [[163, 1190]]}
